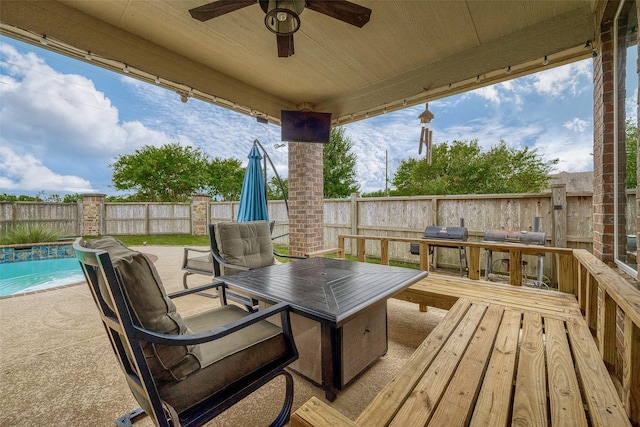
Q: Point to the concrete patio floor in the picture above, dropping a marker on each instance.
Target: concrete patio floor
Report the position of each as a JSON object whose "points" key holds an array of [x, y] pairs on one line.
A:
{"points": [[57, 367]]}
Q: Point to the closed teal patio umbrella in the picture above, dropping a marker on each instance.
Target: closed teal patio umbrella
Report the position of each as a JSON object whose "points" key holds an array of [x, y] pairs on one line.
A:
{"points": [[253, 198]]}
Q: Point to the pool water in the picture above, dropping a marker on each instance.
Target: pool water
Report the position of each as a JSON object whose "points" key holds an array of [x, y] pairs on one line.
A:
{"points": [[27, 276]]}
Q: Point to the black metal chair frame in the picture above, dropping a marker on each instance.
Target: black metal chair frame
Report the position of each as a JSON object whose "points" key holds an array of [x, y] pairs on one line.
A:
{"points": [[126, 334]]}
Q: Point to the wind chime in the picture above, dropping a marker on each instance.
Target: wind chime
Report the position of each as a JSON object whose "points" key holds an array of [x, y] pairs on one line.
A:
{"points": [[426, 135]]}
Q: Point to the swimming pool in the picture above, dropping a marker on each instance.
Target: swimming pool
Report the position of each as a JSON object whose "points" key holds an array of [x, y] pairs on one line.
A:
{"points": [[27, 276]]}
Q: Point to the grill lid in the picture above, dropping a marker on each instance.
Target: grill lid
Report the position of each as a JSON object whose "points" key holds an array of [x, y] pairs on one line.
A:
{"points": [[522, 237], [448, 233]]}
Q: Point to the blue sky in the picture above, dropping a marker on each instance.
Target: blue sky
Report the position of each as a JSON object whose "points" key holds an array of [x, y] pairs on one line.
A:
{"points": [[63, 122]]}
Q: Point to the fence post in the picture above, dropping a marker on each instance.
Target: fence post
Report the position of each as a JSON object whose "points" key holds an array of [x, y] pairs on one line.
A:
{"points": [[92, 214], [559, 203], [199, 214], [354, 212]]}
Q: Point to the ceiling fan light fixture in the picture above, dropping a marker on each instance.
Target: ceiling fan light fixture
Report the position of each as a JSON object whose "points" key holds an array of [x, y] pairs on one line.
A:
{"points": [[283, 16]]}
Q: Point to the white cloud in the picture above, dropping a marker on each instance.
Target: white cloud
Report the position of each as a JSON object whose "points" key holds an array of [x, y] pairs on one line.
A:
{"points": [[563, 81], [576, 125], [61, 125], [26, 173], [490, 93]]}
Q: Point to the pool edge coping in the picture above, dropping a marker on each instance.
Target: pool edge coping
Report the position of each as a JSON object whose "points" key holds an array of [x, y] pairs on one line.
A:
{"points": [[39, 291]]}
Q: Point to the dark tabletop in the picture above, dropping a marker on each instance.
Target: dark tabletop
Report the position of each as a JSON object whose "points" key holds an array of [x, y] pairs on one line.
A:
{"points": [[324, 288]]}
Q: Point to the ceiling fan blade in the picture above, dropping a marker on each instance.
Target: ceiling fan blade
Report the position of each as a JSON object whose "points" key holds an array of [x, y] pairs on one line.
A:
{"points": [[285, 45], [218, 8], [343, 10]]}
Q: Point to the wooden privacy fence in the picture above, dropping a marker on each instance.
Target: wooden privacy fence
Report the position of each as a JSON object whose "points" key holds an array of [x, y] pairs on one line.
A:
{"points": [[566, 218]]}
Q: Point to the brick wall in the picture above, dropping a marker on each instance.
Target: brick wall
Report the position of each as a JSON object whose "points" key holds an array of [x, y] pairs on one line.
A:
{"points": [[306, 193]]}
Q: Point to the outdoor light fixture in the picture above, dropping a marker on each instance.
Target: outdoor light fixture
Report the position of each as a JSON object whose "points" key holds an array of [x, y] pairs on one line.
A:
{"points": [[283, 16], [88, 56], [125, 69], [44, 41], [508, 69], [545, 61], [426, 135]]}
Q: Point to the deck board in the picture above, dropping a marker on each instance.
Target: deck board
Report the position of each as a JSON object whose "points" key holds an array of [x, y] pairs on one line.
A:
{"points": [[463, 389], [601, 396], [419, 407], [443, 291], [564, 390], [530, 399], [493, 407]]}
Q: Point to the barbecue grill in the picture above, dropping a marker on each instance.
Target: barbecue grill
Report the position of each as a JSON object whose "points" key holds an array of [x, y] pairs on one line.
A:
{"points": [[452, 234], [516, 237]]}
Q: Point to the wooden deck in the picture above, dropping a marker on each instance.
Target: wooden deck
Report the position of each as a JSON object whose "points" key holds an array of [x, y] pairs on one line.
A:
{"points": [[511, 355], [501, 356]]}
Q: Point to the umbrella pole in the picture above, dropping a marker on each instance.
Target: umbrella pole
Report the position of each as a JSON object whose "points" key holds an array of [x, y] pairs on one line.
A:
{"points": [[266, 157]]}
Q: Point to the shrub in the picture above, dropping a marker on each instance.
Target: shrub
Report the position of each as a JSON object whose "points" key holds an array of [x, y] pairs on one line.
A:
{"points": [[29, 233]]}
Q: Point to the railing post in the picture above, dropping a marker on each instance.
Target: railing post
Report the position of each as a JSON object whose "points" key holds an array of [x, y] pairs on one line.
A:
{"points": [[631, 370], [515, 267], [384, 251], [591, 315], [361, 244], [606, 333], [424, 256], [341, 245], [565, 273], [582, 274], [474, 263]]}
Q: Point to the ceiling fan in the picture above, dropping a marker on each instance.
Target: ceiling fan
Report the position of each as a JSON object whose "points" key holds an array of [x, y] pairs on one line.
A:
{"points": [[283, 16]]}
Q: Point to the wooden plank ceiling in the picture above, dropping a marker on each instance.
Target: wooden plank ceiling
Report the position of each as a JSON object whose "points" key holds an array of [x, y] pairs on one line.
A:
{"points": [[410, 51]]}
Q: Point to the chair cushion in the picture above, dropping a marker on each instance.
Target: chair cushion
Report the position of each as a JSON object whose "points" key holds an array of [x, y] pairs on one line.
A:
{"points": [[224, 360], [245, 243], [200, 263], [151, 307]]}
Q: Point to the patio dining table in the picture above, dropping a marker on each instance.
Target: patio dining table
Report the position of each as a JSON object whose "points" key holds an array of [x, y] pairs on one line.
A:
{"points": [[339, 317]]}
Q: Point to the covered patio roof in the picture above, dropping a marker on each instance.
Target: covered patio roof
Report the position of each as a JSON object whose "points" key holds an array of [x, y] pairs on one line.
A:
{"points": [[408, 53]]}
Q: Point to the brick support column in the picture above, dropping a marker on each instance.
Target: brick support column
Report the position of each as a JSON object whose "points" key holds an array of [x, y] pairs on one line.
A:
{"points": [[200, 214], [92, 214], [604, 145], [306, 195]]}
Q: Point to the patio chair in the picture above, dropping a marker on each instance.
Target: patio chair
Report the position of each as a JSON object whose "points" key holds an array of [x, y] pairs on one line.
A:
{"points": [[200, 261], [242, 246], [197, 261], [182, 371]]}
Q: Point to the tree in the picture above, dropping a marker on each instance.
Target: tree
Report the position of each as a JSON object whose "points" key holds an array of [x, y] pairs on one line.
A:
{"points": [[339, 168], [274, 192], [225, 178], [463, 168], [171, 173], [631, 145]]}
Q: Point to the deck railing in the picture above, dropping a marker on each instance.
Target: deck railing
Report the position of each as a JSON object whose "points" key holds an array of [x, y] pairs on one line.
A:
{"points": [[609, 303]]}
